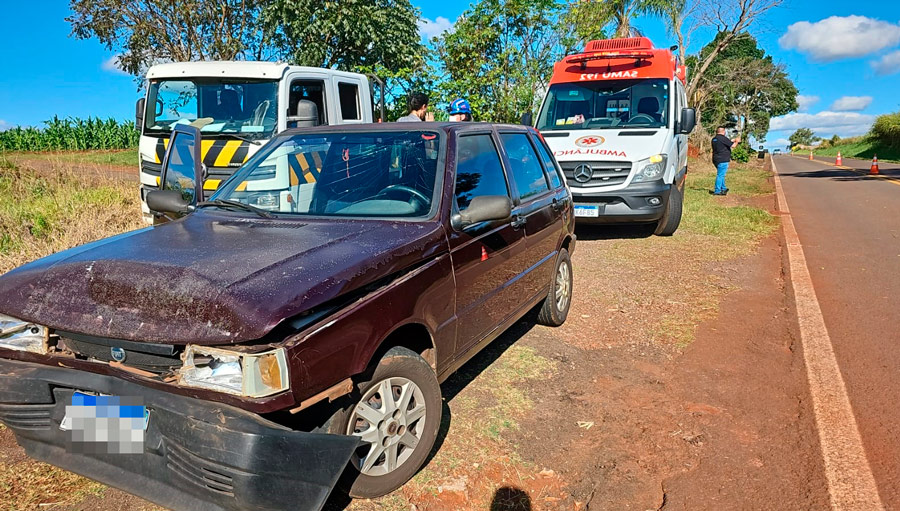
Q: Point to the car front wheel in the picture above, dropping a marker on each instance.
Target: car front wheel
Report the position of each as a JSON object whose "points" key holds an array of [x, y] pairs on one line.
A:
{"points": [[396, 414]]}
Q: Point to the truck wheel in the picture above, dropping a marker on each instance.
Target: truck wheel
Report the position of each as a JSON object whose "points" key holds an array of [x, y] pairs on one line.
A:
{"points": [[396, 414], [559, 299], [670, 220]]}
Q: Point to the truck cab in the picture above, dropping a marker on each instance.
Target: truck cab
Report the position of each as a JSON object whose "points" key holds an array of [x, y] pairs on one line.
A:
{"points": [[238, 107], [617, 119]]}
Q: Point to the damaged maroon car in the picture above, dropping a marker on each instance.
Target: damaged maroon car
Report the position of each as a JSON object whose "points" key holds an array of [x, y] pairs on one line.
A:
{"points": [[290, 333]]}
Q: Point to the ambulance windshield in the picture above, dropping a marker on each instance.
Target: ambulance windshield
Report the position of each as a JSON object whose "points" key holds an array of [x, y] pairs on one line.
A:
{"points": [[606, 104]]}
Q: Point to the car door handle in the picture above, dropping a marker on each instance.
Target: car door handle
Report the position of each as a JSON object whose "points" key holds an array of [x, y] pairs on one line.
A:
{"points": [[557, 205], [518, 222]]}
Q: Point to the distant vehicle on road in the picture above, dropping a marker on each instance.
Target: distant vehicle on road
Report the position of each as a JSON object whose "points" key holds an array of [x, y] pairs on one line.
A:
{"points": [[617, 119], [776, 151], [238, 107], [293, 328]]}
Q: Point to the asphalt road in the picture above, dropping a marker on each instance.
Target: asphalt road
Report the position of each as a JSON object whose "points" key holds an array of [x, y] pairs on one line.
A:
{"points": [[849, 227]]}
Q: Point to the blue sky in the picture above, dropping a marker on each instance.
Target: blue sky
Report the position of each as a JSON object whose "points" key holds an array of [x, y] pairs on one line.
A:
{"points": [[844, 58]]}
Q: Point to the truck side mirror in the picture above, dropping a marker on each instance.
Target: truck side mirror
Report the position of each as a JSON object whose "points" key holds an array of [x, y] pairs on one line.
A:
{"points": [[484, 208], [139, 115], [526, 119], [181, 173], [688, 121]]}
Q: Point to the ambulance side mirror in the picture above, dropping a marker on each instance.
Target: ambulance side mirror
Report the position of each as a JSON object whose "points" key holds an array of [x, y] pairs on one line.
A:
{"points": [[688, 121], [139, 115], [526, 119]]}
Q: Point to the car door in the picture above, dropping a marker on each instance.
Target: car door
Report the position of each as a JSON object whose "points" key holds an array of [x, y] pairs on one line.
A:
{"points": [[537, 208], [485, 255]]}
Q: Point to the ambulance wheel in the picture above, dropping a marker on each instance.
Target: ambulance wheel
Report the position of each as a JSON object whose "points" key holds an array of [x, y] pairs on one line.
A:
{"points": [[671, 218]]}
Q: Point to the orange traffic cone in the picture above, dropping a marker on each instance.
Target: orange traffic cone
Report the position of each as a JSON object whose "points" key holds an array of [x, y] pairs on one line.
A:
{"points": [[810, 155], [874, 168], [839, 161]]}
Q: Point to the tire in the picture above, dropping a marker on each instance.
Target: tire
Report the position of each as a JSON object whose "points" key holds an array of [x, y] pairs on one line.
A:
{"points": [[369, 475], [559, 299], [671, 219]]}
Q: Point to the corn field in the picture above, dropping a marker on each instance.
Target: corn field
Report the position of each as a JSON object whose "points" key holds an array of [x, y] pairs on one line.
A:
{"points": [[71, 134]]}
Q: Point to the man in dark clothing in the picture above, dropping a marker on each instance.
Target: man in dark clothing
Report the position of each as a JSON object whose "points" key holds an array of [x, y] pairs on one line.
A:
{"points": [[417, 104], [721, 148]]}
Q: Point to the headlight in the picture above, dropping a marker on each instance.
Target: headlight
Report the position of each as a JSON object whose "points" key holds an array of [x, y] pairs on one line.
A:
{"points": [[19, 335], [242, 374], [651, 168]]}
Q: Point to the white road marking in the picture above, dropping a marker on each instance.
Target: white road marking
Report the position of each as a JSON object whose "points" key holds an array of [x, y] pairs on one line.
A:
{"points": [[851, 484]]}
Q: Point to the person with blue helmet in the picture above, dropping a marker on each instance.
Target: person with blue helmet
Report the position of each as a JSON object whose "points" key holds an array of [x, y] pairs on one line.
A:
{"points": [[460, 111]]}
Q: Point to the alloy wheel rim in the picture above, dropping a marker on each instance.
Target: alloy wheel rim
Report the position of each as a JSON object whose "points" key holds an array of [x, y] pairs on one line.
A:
{"points": [[563, 287], [390, 419]]}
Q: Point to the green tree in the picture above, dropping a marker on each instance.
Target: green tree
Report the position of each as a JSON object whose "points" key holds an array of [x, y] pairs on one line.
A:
{"points": [[143, 32], [591, 18], [500, 56], [745, 87], [803, 136], [346, 35]]}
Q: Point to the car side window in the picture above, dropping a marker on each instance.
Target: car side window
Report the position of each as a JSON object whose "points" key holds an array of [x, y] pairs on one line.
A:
{"points": [[549, 166], [478, 169], [524, 164], [349, 95]]}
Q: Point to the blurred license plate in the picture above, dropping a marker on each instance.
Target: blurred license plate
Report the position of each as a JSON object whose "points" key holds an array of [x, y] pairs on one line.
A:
{"points": [[588, 211], [105, 424]]}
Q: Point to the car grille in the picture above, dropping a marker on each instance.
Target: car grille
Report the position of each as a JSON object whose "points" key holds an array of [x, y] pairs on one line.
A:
{"points": [[156, 358], [604, 173], [31, 417], [200, 472]]}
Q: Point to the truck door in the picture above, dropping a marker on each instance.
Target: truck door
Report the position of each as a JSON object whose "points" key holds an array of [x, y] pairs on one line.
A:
{"points": [[485, 254], [310, 87]]}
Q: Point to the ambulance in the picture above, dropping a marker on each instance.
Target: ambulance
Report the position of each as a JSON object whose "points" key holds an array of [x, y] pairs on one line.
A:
{"points": [[617, 119], [238, 107]]}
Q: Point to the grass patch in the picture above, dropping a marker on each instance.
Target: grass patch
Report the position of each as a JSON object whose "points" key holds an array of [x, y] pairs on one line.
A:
{"points": [[33, 485], [863, 148], [42, 215], [709, 215], [117, 158]]}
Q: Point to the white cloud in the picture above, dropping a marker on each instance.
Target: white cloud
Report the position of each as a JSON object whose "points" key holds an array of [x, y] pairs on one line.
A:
{"points": [[780, 143], [851, 104], [429, 28], [845, 124], [806, 102], [4, 125], [888, 64], [112, 65], [839, 37]]}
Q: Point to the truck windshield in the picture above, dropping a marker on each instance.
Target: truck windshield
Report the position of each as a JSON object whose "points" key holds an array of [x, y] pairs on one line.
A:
{"points": [[606, 104], [245, 107], [369, 174]]}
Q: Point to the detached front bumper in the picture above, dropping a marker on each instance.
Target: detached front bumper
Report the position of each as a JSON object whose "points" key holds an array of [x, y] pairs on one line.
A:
{"points": [[197, 455], [631, 204]]}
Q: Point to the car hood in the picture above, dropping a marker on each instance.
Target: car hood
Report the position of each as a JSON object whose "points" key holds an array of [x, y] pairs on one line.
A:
{"points": [[211, 277]]}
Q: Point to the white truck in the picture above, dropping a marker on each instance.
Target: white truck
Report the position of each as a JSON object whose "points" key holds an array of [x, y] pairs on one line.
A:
{"points": [[239, 106], [617, 120]]}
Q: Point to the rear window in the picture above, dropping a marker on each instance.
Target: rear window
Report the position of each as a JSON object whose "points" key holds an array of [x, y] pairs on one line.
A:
{"points": [[524, 164], [549, 166]]}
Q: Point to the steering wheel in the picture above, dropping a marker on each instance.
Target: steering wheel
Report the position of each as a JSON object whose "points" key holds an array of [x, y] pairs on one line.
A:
{"points": [[649, 119], [416, 194]]}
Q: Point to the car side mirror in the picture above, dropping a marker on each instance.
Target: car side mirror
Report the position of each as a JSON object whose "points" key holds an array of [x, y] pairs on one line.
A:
{"points": [[139, 115], [484, 208], [688, 121], [168, 201]]}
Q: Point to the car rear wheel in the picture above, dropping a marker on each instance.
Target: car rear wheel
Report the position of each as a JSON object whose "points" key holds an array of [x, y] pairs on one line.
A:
{"points": [[556, 306], [396, 414]]}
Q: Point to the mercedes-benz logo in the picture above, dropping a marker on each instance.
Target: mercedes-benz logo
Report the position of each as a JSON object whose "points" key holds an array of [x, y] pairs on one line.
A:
{"points": [[583, 173], [118, 354]]}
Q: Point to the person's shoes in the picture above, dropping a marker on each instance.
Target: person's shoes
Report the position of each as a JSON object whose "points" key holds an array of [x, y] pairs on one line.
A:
{"points": [[719, 193]]}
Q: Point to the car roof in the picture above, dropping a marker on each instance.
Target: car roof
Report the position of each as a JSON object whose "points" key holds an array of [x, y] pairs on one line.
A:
{"points": [[446, 127]]}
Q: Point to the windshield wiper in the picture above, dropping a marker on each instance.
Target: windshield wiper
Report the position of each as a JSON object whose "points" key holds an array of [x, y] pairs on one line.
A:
{"points": [[224, 203], [245, 139]]}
